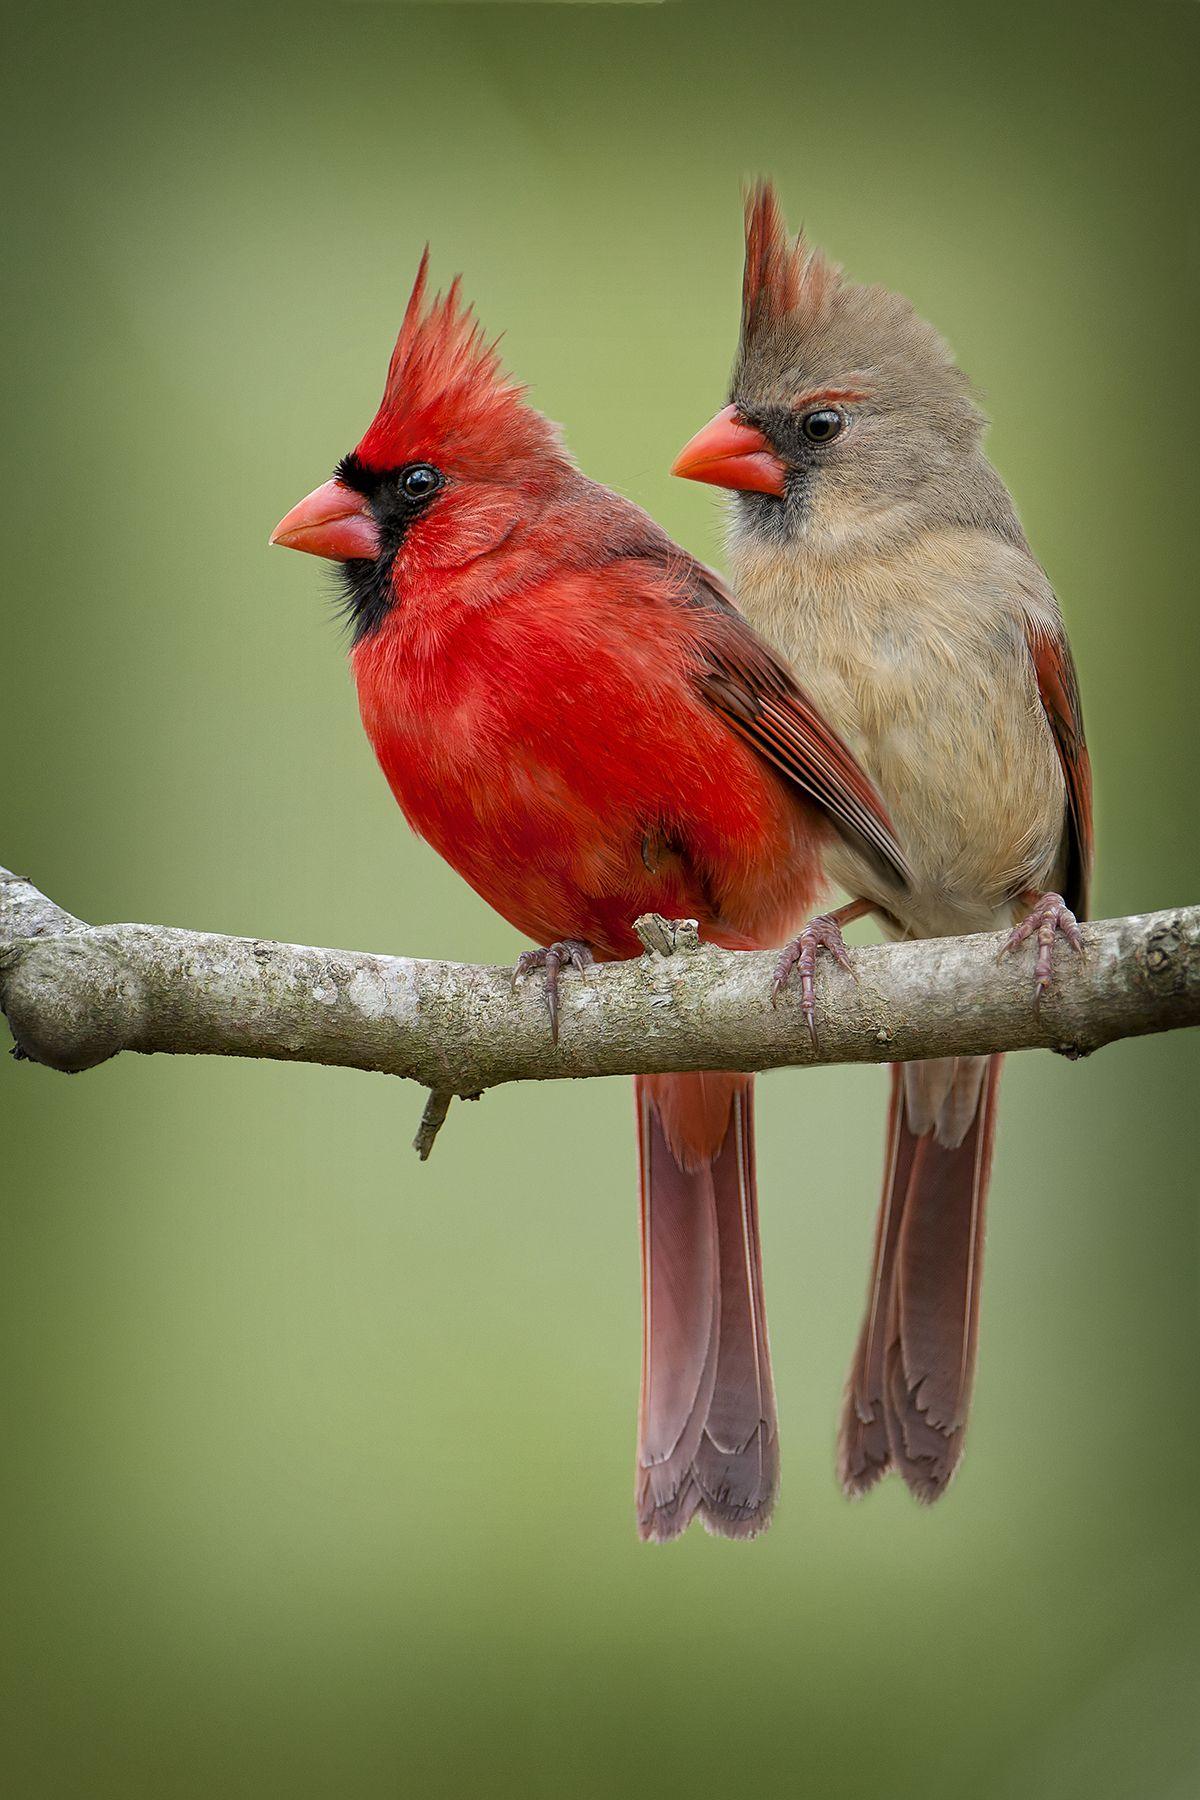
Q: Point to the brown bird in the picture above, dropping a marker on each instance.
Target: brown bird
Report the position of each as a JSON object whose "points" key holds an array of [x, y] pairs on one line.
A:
{"points": [[876, 546]]}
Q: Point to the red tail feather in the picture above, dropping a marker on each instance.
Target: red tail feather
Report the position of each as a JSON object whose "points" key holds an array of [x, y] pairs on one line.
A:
{"points": [[707, 1437]]}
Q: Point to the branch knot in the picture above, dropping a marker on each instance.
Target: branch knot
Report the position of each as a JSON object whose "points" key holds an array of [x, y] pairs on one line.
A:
{"points": [[668, 937]]}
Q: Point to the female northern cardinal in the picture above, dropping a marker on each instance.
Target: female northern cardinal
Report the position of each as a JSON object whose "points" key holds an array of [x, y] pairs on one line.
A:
{"points": [[872, 537], [570, 710]]}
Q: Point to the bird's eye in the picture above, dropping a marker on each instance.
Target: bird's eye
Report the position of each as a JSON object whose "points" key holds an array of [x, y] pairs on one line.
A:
{"points": [[419, 481], [820, 427]]}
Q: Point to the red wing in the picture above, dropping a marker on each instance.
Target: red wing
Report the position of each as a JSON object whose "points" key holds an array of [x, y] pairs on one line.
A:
{"points": [[756, 693], [1059, 689]]}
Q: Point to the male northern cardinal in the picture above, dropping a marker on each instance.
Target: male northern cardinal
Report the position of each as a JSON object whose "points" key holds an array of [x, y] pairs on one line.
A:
{"points": [[568, 707], [872, 539]]}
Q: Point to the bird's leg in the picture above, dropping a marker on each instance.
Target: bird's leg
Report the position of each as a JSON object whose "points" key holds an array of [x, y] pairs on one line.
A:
{"points": [[567, 953], [822, 933], [1048, 914]]}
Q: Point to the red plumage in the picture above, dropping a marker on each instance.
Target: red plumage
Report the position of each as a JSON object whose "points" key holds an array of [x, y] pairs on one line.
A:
{"points": [[569, 709], [446, 386]]}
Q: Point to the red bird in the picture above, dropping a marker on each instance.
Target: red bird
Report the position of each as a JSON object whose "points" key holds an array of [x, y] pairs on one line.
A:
{"points": [[570, 710]]}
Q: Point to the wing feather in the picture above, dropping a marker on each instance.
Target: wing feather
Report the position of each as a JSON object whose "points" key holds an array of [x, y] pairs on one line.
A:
{"points": [[744, 681], [1058, 686]]}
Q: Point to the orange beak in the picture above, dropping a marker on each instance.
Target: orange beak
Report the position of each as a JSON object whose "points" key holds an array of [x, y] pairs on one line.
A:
{"points": [[731, 454], [332, 521]]}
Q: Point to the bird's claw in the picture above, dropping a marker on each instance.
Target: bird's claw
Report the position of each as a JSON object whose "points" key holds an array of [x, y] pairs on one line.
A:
{"points": [[570, 953], [821, 933], [1048, 915]]}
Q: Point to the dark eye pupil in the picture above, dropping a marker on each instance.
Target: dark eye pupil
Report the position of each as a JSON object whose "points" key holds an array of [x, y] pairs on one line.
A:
{"points": [[420, 480], [819, 427]]}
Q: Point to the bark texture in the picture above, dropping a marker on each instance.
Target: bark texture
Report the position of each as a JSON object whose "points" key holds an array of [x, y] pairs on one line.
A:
{"points": [[76, 994]]}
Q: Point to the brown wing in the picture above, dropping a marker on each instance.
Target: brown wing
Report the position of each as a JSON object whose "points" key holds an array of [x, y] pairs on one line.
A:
{"points": [[1058, 686], [756, 692]]}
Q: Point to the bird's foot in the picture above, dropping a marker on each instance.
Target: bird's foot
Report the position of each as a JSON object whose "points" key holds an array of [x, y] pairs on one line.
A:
{"points": [[1048, 915], [570, 953], [822, 933]]}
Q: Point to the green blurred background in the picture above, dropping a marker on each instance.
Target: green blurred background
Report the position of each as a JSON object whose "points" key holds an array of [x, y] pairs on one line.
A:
{"points": [[317, 1463]]}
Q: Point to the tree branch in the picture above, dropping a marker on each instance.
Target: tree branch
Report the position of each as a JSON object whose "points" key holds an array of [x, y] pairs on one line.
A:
{"points": [[75, 995]]}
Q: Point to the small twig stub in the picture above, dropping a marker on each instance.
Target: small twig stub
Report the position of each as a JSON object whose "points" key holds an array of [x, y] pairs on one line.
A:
{"points": [[432, 1120]]}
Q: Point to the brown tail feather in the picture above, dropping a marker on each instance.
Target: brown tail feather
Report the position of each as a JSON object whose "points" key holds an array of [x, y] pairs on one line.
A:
{"points": [[707, 1439], [863, 1452], [909, 1390]]}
